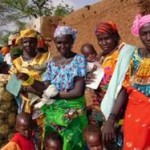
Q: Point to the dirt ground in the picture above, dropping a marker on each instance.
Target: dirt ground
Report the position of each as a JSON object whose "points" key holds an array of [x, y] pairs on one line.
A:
{"points": [[122, 12]]}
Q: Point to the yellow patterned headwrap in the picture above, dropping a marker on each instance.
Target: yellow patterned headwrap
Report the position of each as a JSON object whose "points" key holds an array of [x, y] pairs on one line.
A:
{"points": [[28, 33]]}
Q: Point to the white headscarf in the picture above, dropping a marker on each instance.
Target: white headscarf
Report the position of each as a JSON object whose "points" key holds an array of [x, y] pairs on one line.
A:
{"points": [[65, 30]]}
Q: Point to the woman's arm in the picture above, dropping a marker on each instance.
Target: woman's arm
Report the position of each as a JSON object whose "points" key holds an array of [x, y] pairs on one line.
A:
{"points": [[108, 131], [37, 87], [40, 86], [76, 92]]}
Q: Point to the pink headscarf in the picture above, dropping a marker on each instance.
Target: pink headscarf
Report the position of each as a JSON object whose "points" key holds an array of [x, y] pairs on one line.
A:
{"points": [[139, 21]]}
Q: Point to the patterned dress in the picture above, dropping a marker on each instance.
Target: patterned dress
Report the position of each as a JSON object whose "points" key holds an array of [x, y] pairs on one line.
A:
{"points": [[108, 65], [32, 68], [66, 116], [137, 119]]}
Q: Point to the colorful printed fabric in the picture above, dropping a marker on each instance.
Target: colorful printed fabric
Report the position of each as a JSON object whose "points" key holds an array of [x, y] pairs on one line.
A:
{"points": [[95, 97], [140, 73], [108, 65], [65, 30], [116, 82], [63, 76], [68, 118], [137, 118], [20, 65], [137, 121]]}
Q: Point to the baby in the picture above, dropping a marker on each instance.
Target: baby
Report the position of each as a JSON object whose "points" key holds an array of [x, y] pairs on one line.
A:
{"points": [[95, 73], [89, 52], [92, 137], [22, 140], [53, 142]]}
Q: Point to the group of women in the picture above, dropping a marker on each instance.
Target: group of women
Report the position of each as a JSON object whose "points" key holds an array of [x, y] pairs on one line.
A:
{"points": [[126, 81]]}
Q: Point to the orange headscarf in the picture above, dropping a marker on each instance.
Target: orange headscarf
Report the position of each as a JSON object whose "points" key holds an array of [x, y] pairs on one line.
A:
{"points": [[106, 27], [4, 50]]}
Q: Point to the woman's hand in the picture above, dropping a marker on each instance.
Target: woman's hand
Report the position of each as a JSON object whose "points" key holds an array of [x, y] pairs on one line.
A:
{"points": [[23, 76], [108, 130]]}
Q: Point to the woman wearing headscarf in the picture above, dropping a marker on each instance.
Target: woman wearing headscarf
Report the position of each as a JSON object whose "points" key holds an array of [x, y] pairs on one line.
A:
{"points": [[8, 107], [137, 119], [26, 63], [110, 89], [64, 83]]}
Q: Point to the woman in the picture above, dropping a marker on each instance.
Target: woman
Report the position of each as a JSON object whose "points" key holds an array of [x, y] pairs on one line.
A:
{"points": [[137, 120], [30, 58], [66, 74], [108, 39], [8, 107]]}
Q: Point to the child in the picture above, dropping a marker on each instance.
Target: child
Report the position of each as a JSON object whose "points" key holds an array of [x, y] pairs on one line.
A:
{"points": [[54, 142], [89, 52], [22, 139], [92, 137], [92, 103]]}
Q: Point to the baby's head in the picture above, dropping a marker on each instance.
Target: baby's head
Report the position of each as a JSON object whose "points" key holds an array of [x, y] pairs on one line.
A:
{"points": [[24, 124], [92, 137], [54, 142], [88, 51]]}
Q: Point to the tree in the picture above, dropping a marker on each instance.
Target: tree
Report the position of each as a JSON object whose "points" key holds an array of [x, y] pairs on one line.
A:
{"points": [[32, 8], [62, 10], [17, 11]]}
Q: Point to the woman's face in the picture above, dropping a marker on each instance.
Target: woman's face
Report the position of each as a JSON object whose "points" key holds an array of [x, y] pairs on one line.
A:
{"points": [[107, 42], [144, 34], [29, 44], [64, 44]]}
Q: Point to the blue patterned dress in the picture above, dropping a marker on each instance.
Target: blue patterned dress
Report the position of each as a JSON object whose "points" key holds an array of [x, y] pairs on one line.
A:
{"points": [[66, 116]]}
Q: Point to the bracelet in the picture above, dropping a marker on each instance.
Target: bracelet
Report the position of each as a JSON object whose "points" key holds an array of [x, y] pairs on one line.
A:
{"points": [[28, 82], [112, 116]]}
